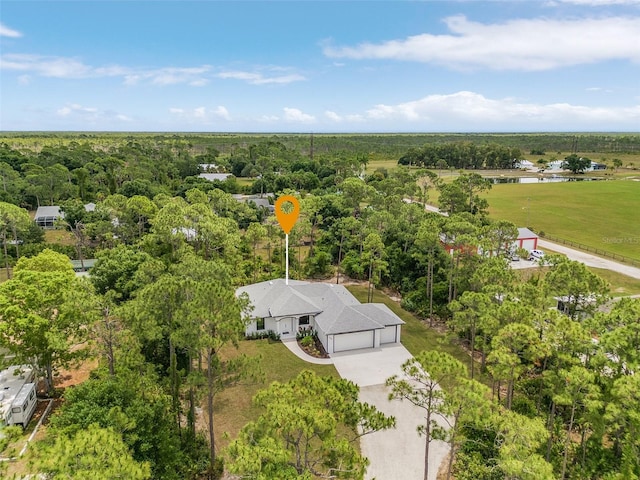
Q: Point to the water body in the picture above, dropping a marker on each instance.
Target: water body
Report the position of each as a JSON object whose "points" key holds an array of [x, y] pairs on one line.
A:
{"points": [[540, 179]]}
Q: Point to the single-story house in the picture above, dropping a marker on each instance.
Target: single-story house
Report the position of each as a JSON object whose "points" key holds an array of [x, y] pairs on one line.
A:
{"points": [[215, 176], [596, 166], [524, 164], [340, 320], [46, 217], [555, 166], [257, 200]]}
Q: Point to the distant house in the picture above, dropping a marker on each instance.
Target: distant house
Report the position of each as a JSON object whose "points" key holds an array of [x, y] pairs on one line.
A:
{"points": [[555, 166], [215, 176], [524, 164], [340, 320], [257, 200], [46, 217], [83, 266]]}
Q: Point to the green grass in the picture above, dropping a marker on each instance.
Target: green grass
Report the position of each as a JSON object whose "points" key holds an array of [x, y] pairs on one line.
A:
{"points": [[62, 237], [620, 285], [233, 406], [600, 215]]}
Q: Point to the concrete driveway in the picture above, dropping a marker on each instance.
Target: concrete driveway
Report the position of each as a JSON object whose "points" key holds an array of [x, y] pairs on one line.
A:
{"points": [[396, 453]]}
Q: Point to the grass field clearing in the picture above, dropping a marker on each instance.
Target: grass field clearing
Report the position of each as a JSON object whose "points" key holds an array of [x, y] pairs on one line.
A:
{"points": [[234, 407], [602, 214]]}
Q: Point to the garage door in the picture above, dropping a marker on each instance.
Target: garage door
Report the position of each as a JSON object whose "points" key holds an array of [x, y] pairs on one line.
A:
{"points": [[388, 334], [352, 341]]}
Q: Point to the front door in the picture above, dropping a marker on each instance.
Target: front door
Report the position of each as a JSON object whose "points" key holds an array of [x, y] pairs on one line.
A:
{"points": [[286, 327]]}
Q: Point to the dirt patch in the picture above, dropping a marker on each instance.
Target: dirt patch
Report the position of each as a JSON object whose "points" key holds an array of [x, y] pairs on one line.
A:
{"points": [[75, 376]]}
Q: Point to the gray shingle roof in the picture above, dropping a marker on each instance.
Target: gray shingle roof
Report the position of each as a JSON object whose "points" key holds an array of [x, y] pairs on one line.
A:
{"points": [[336, 310], [50, 211]]}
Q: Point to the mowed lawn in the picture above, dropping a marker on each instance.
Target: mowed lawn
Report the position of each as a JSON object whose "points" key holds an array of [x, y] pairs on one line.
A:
{"points": [[234, 407], [603, 215]]}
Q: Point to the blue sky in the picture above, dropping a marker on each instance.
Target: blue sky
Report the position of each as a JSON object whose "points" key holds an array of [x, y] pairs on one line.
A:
{"points": [[320, 66]]}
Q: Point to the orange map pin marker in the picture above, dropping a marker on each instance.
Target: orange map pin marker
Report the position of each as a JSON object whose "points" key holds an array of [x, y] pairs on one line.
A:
{"points": [[287, 219]]}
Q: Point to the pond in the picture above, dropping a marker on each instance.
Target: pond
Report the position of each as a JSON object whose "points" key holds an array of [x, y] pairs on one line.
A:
{"points": [[552, 179]]}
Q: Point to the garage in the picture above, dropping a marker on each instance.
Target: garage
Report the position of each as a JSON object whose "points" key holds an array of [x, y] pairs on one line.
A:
{"points": [[353, 341], [389, 334]]}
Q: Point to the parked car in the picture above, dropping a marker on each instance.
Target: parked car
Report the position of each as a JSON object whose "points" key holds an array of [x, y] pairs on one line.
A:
{"points": [[536, 255]]}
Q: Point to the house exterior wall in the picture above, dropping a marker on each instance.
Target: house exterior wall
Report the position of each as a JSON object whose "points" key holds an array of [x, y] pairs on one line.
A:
{"points": [[269, 324], [284, 326], [390, 334], [528, 243]]}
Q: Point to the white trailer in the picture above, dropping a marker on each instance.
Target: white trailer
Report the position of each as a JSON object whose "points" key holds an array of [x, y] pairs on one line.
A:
{"points": [[17, 395]]}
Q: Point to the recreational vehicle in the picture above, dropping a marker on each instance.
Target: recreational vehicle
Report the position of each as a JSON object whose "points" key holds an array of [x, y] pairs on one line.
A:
{"points": [[17, 395]]}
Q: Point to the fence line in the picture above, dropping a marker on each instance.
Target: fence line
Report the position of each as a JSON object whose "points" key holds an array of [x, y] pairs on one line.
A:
{"points": [[597, 251]]}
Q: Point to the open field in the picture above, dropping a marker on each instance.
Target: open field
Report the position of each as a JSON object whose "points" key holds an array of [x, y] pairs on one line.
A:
{"points": [[601, 215]]}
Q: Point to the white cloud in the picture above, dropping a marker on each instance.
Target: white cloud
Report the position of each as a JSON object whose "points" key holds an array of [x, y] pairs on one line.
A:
{"points": [[268, 118], [90, 115], [222, 112], [333, 116], [260, 79], [201, 115], [9, 32], [524, 44], [59, 67], [65, 67], [469, 108], [193, 76], [76, 108], [295, 115]]}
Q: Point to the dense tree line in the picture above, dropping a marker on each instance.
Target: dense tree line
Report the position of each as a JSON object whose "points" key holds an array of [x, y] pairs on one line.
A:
{"points": [[465, 155]]}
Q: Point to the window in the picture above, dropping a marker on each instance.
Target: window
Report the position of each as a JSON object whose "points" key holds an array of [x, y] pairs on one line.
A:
{"points": [[303, 320], [259, 323]]}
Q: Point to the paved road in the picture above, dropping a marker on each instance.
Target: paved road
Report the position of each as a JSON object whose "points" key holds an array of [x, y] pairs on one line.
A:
{"points": [[577, 255], [396, 453], [590, 260]]}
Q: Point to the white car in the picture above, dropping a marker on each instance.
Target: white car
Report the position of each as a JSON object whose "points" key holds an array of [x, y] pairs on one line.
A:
{"points": [[536, 254]]}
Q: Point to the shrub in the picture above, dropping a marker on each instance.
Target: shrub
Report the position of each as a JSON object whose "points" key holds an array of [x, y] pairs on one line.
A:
{"points": [[307, 341], [270, 334]]}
